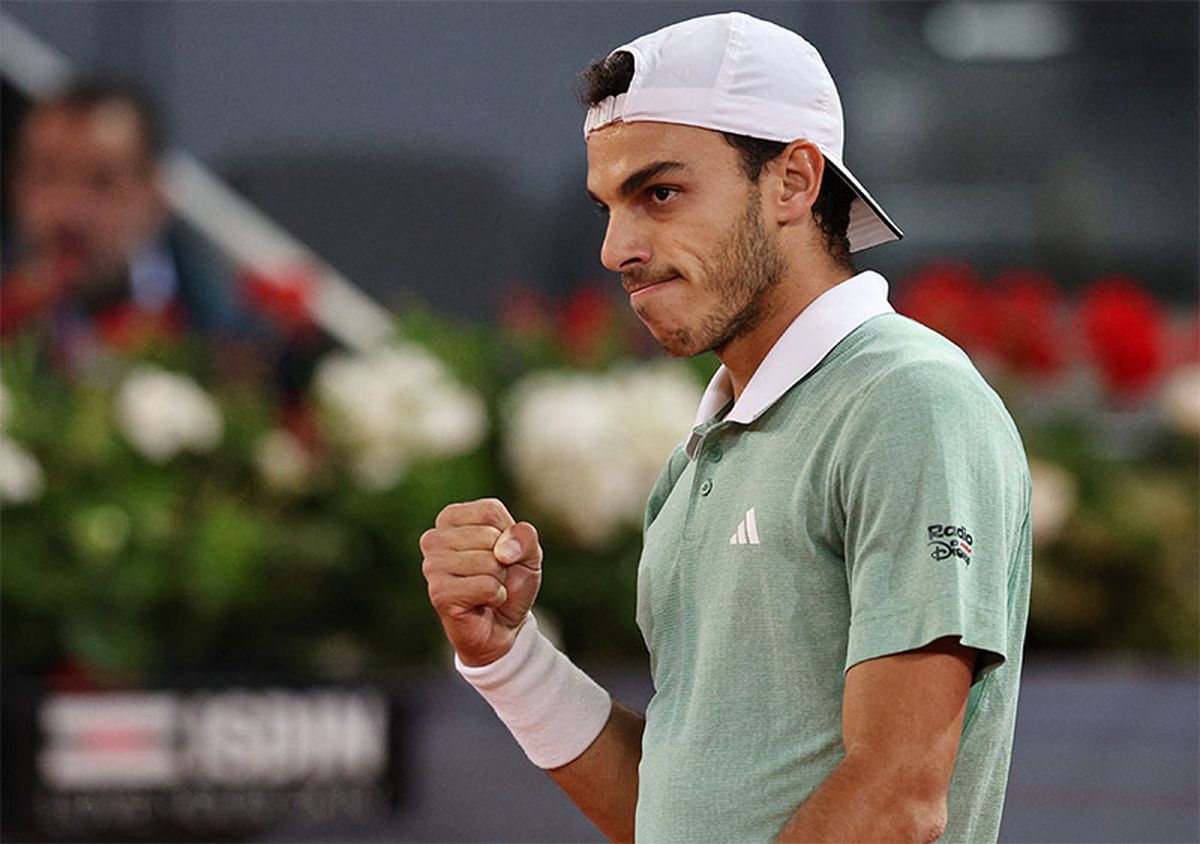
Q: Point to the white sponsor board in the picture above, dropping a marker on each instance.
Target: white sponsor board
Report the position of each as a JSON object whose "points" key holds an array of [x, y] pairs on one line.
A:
{"points": [[230, 738]]}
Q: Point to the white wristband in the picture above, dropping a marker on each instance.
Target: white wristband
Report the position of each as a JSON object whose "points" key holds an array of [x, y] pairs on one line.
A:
{"points": [[551, 707]]}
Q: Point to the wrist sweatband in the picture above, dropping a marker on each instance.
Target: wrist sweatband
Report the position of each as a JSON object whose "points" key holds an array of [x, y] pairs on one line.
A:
{"points": [[551, 707]]}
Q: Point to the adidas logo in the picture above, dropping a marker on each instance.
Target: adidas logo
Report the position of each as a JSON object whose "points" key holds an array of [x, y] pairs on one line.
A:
{"points": [[747, 532]]}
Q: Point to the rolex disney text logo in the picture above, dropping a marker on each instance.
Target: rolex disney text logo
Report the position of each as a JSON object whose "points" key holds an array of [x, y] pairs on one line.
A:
{"points": [[946, 541]]}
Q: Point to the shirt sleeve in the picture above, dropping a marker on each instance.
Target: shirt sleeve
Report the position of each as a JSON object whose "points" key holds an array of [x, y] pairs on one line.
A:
{"points": [[935, 489]]}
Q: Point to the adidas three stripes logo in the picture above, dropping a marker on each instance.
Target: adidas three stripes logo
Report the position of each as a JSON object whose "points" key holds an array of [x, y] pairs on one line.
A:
{"points": [[747, 531]]}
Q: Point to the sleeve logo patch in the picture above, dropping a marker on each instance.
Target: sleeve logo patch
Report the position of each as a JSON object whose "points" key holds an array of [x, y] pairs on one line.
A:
{"points": [[946, 541]]}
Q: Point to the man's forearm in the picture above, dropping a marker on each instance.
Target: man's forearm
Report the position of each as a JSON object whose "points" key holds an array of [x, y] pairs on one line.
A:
{"points": [[603, 781], [862, 801]]}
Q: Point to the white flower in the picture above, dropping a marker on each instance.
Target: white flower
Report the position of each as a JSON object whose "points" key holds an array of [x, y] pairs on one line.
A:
{"points": [[396, 405], [1053, 499], [162, 413], [283, 462], [450, 420], [585, 449], [1180, 401], [21, 478], [379, 467]]}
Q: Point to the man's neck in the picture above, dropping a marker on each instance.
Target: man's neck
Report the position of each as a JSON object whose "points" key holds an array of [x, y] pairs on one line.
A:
{"points": [[743, 355]]}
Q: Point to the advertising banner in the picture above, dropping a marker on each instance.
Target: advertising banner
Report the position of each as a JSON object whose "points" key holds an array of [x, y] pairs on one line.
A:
{"points": [[198, 763]]}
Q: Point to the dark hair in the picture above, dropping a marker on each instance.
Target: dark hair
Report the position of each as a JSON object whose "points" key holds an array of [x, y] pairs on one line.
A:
{"points": [[831, 211], [90, 94]]}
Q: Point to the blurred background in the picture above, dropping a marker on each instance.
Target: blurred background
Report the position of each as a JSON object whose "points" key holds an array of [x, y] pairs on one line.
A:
{"points": [[282, 279]]}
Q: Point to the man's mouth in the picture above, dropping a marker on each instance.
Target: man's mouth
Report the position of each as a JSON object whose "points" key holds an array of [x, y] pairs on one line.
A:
{"points": [[634, 287]]}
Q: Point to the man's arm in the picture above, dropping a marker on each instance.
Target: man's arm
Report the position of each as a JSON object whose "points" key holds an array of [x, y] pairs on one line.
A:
{"points": [[902, 717], [603, 782], [484, 570]]}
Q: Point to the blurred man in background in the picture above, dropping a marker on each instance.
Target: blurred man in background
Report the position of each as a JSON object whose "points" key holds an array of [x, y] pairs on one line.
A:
{"points": [[92, 256]]}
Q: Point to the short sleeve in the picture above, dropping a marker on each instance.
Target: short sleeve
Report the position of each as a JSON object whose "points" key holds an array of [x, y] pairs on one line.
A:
{"points": [[934, 486]]}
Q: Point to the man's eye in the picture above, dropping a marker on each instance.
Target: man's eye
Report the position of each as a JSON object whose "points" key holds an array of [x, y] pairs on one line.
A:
{"points": [[661, 194]]}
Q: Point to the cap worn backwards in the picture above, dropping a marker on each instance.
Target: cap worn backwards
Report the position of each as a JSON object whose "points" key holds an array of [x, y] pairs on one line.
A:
{"points": [[735, 73]]}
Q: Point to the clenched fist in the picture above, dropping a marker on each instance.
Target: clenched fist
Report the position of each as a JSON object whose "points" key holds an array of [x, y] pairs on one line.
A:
{"points": [[484, 570]]}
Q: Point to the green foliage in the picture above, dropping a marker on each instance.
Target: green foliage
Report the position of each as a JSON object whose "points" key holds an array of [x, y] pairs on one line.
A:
{"points": [[1122, 574], [199, 562]]}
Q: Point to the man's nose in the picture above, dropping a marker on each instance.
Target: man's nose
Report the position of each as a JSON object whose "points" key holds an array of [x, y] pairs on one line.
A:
{"points": [[625, 245]]}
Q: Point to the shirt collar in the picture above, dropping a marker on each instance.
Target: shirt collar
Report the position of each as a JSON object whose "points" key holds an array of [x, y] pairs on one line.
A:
{"points": [[827, 321]]}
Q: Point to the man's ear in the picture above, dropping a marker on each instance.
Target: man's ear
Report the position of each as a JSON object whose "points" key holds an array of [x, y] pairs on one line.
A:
{"points": [[798, 171]]}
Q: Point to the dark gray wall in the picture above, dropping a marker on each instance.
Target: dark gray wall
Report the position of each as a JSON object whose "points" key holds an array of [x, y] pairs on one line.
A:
{"points": [[1080, 164]]}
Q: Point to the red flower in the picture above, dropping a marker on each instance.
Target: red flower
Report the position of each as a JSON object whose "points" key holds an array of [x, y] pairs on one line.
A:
{"points": [[1023, 323], [33, 291], [73, 674], [285, 295], [127, 328], [947, 297], [1123, 328], [298, 417], [526, 313], [587, 323]]}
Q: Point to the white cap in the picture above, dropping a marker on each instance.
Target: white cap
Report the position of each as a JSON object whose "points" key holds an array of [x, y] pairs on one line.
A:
{"points": [[736, 73]]}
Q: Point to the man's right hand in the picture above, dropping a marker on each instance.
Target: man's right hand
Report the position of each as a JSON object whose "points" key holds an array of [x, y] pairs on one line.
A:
{"points": [[484, 570]]}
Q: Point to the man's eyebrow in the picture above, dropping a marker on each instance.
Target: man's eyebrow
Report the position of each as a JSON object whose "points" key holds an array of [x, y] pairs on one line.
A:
{"points": [[651, 171]]}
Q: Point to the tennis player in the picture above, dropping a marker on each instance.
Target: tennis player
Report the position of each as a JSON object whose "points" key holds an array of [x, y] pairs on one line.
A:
{"points": [[834, 581]]}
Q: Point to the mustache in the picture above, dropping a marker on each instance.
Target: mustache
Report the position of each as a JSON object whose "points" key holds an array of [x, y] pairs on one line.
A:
{"points": [[639, 277]]}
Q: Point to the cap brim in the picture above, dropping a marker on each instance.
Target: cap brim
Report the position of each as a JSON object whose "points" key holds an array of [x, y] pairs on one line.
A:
{"points": [[869, 223]]}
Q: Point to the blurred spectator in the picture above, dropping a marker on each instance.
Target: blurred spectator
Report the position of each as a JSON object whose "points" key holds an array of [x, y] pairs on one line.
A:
{"points": [[94, 258]]}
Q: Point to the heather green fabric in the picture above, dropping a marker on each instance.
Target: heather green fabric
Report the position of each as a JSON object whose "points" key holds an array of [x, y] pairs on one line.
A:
{"points": [[860, 477]]}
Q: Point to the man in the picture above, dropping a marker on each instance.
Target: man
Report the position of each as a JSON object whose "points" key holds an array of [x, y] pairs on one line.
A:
{"points": [[834, 582], [93, 256]]}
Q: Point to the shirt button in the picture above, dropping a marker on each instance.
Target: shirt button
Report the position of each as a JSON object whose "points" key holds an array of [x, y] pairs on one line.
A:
{"points": [[714, 454], [706, 488]]}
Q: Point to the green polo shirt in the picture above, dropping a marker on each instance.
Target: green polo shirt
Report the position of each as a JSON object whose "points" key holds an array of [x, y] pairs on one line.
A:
{"points": [[867, 495]]}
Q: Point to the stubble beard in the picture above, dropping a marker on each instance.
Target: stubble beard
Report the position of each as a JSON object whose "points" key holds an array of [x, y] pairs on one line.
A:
{"points": [[745, 269]]}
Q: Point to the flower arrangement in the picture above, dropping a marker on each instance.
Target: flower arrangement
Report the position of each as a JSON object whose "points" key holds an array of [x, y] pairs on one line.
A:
{"points": [[155, 516], [162, 413], [585, 448], [395, 405]]}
